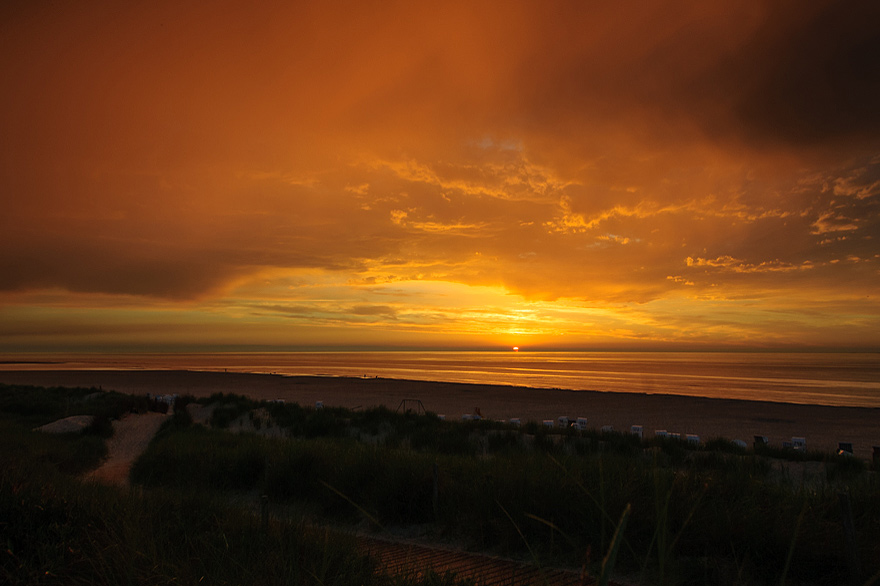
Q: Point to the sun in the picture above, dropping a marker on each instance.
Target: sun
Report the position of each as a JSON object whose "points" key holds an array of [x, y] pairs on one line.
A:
{"points": [[516, 348]]}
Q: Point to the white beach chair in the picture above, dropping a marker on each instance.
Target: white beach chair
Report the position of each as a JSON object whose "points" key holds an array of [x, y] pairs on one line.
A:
{"points": [[693, 438], [607, 429], [319, 404], [548, 423], [637, 431], [662, 433], [563, 421], [581, 423], [799, 443], [515, 421]]}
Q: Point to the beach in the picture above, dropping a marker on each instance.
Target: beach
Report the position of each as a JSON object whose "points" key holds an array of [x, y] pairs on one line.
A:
{"points": [[822, 426]]}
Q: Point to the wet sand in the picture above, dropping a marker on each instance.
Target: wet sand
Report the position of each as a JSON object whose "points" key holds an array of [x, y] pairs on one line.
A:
{"points": [[822, 426]]}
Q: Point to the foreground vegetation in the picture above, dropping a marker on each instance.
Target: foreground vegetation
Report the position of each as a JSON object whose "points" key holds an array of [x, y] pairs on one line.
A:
{"points": [[61, 531], [710, 514], [57, 529]]}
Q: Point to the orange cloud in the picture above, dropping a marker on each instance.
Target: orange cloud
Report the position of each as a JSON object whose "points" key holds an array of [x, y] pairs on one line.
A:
{"points": [[215, 166]]}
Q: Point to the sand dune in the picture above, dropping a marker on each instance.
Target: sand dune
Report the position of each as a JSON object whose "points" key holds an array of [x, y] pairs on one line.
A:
{"points": [[822, 426]]}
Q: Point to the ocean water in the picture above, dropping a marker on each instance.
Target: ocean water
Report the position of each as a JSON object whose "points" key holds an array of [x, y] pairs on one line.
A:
{"points": [[843, 379]]}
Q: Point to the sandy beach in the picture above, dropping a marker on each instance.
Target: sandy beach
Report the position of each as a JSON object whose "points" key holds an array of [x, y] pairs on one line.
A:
{"points": [[822, 426]]}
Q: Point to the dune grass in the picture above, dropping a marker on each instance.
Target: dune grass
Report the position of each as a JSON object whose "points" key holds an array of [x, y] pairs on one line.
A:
{"points": [[57, 529], [664, 512], [697, 515]]}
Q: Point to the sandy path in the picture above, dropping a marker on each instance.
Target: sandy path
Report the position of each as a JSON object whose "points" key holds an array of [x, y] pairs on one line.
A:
{"points": [[131, 436]]}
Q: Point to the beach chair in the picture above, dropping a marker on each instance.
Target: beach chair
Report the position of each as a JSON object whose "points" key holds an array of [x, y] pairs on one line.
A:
{"points": [[761, 441], [844, 449], [693, 439], [661, 433], [799, 444], [607, 429], [319, 404], [740, 444], [636, 430], [563, 421], [581, 423], [548, 423]]}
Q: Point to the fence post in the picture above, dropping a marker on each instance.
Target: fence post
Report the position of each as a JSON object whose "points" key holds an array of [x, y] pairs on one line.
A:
{"points": [[849, 531], [435, 496]]}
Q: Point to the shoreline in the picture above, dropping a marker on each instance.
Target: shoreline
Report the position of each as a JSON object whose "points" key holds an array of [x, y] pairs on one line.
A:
{"points": [[822, 426]]}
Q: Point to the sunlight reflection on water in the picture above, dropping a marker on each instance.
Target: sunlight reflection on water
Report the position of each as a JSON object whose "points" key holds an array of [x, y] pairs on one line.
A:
{"points": [[846, 379]]}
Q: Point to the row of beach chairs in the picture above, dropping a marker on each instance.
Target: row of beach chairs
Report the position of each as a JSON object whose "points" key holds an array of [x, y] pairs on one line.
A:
{"points": [[167, 399], [580, 423]]}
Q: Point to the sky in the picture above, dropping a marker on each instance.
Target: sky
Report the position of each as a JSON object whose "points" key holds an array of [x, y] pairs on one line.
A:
{"points": [[182, 175]]}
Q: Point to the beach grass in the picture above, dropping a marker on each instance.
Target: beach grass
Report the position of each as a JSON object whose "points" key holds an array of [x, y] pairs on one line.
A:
{"points": [[61, 531], [698, 515], [58, 529], [660, 511], [34, 406]]}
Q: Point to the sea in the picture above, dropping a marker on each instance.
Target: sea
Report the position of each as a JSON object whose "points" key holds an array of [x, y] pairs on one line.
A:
{"points": [[839, 378]]}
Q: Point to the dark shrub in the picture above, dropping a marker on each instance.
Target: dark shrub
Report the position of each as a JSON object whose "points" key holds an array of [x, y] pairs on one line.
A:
{"points": [[100, 426]]}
